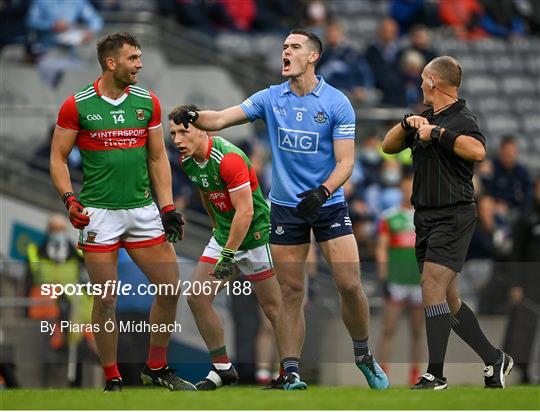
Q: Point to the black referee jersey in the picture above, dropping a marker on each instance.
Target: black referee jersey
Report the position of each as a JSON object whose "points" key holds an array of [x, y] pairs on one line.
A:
{"points": [[441, 177]]}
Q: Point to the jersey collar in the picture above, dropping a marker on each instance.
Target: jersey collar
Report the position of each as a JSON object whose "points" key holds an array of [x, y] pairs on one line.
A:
{"points": [[286, 87], [208, 152], [210, 143], [114, 102], [454, 108]]}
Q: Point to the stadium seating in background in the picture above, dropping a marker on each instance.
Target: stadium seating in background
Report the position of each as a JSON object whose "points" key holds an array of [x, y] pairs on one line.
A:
{"points": [[207, 87]]}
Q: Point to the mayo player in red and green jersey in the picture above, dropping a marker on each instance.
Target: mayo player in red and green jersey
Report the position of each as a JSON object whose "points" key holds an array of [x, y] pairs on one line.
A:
{"points": [[398, 271], [117, 127], [241, 219]]}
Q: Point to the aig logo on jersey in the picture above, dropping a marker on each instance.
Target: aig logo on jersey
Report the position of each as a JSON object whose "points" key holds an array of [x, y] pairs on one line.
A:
{"points": [[298, 141]]}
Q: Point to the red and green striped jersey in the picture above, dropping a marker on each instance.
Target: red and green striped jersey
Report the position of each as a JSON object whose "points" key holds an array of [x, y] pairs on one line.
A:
{"points": [[398, 224], [112, 140], [225, 170]]}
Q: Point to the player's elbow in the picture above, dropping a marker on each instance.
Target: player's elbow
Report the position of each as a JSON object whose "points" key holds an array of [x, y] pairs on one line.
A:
{"points": [[347, 165], [387, 147], [216, 121], [57, 159], [220, 123], [480, 155], [249, 212], [477, 153], [246, 211]]}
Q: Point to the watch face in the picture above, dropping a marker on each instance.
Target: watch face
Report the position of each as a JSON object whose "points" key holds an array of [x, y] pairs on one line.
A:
{"points": [[435, 133]]}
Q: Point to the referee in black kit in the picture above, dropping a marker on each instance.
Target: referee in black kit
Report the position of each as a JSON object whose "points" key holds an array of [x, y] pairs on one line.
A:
{"points": [[445, 141]]}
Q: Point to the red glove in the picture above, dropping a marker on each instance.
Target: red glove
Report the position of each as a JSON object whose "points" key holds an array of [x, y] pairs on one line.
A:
{"points": [[76, 216]]}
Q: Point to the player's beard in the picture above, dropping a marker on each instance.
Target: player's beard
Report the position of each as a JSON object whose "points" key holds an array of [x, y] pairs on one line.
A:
{"points": [[123, 79]]}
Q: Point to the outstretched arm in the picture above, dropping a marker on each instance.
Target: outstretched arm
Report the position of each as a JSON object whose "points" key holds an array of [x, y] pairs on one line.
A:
{"points": [[210, 120]]}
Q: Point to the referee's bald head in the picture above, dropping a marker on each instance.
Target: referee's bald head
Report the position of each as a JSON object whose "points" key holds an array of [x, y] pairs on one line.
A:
{"points": [[447, 69]]}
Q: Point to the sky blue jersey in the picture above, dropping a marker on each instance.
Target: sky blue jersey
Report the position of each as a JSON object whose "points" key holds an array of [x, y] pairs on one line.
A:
{"points": [[301, 131]]}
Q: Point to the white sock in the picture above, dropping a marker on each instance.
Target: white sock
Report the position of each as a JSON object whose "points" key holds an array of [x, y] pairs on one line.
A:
{"points": [[222, 366]]}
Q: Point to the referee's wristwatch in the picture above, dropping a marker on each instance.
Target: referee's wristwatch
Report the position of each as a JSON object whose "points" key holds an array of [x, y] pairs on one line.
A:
{"points": [[435, 133]]}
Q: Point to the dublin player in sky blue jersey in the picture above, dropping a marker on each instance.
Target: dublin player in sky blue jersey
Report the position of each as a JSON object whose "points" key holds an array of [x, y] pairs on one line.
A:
{"points": [[311, 126]]}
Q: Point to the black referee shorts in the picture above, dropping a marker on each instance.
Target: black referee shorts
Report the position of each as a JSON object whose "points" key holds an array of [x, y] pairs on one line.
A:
{"points": [[443, 235]]}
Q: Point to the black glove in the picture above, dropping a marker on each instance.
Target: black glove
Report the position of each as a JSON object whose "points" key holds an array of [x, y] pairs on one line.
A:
{"points": [[186, 117], [312, 200], [173, 224]]}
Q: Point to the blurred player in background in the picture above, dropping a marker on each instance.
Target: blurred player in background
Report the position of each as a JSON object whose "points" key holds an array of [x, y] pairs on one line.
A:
{"points": [[240, 217], [312, 129], [445, 141], [117, 127], [399, 275]]}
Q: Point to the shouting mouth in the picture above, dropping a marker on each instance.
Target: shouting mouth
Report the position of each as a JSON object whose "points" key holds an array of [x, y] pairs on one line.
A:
{"points": [[286, 64]]}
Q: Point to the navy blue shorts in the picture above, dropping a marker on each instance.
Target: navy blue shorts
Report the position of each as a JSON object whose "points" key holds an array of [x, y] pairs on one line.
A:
{"points": [[286, 228]]}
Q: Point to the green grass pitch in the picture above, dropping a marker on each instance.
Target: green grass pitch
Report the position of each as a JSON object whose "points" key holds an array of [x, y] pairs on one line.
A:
{"points": [[462, 397]]}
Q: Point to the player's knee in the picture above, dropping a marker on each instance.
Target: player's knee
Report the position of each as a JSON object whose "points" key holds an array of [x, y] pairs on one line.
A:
{"points": [[292, 293], [196, 302], [350, 290], [167, 300], [105, 305], [271, 309], [452, 297], [430, 286]]}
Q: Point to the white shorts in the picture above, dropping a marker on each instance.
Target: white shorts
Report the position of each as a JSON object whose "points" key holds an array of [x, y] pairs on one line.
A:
{"points": [[109, 230], [405, 294], [255, 264]]}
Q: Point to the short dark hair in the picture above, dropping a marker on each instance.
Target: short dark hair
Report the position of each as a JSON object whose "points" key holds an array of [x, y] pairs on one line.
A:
{"points": [[109, 45], [448, 69], [180, 108], [508, 139], [314, 40]]}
